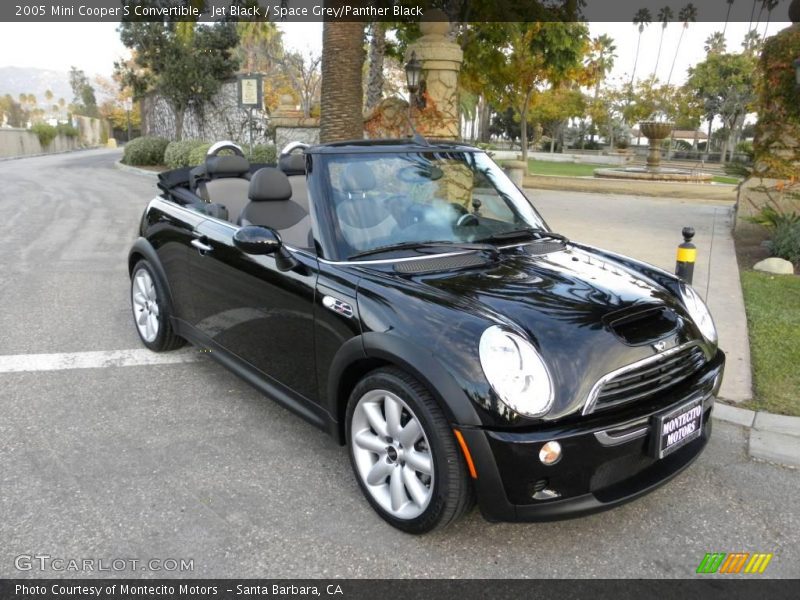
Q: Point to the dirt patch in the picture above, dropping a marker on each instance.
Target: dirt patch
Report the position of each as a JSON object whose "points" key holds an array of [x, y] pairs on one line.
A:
{"points": [[749, 246]]}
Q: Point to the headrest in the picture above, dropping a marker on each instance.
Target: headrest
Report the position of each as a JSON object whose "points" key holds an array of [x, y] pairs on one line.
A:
{"points": [[358, 177], [269, 185], [293, 164], [226, 166]]}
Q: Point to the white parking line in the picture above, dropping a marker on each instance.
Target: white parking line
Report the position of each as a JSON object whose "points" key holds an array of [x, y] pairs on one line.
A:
{"points": [[20, 363]]}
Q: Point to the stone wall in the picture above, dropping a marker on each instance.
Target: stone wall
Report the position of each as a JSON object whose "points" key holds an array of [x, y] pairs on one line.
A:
{"points": [[21, 142], [219, 119]]}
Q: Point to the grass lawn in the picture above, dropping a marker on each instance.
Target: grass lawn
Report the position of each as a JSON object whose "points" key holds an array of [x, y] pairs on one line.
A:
{"points": [[725, 179], [773, 317], [543, 167]]}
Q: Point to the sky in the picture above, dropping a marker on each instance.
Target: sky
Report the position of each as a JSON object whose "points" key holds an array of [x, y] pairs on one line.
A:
{"points": [[94, 47]]}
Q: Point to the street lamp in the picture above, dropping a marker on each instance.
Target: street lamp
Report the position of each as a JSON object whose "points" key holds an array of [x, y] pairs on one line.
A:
{"points": [[414, 82]]}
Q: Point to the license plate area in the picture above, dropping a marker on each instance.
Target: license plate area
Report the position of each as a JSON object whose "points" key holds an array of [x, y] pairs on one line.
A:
{"points": [[676, 427]]}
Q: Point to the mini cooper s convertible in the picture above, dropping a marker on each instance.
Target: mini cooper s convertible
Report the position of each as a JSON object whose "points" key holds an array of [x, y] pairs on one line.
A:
{"points": [[406, 297]]}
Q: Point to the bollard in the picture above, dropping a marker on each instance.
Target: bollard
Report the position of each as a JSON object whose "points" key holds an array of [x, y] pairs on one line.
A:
{"points": [[687, 253]]}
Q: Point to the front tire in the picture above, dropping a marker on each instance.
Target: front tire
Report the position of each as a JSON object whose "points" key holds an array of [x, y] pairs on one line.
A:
{"points": [[150, 310], [404, 453]]}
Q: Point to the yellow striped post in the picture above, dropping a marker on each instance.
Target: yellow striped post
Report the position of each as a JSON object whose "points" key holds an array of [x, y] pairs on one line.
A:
{"points": [[687, 255]]}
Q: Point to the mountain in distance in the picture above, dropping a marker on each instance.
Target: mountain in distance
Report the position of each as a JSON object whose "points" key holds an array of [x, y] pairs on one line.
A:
{"points": [[29, 80]]}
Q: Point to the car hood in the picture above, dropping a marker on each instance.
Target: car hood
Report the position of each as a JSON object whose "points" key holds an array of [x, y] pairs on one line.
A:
{"points": [[586, 313]]}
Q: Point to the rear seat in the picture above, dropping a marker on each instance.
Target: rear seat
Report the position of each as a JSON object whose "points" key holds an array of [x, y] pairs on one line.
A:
{"points": [[223, 180]]}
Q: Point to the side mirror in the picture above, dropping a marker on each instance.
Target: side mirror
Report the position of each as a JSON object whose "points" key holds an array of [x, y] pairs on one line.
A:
{"points": [[252, 239]]}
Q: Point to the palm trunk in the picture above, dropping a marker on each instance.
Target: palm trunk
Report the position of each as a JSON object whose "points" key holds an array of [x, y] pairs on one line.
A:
{"points": [[485, 114], [727, 18], [675, 58], [658, 56], [377, 51], [341, 116], [636, 60]]}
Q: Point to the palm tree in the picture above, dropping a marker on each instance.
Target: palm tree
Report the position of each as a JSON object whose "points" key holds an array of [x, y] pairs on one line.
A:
{"points": [[665, 15], [715, 43], [642, 18], [688, 14], [770, 6], [602, 61], [377, 52], [752, 14], [341, 116], [727, 16], [752, 42]]}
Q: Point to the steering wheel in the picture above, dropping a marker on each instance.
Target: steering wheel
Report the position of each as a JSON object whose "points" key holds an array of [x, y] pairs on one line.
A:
{"points": [[411, 174], [467, 220], [215, 149]]}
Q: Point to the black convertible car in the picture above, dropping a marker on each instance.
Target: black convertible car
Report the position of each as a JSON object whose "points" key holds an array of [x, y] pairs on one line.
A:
{"points": [[406, 297]]}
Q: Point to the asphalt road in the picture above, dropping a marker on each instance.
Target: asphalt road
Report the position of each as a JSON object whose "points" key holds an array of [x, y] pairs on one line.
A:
{"points": [[185, 461]]}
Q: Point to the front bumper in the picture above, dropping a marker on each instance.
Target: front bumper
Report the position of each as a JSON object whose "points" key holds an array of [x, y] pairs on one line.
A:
{"points": [[605, 460]]}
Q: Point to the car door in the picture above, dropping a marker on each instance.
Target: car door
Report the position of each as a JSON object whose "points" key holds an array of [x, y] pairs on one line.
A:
{"points": [[256, 312]]}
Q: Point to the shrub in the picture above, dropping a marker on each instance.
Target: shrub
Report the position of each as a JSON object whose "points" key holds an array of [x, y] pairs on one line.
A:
{"points": [[745, 147], [46, 133], [771, 218], [67, 130], [263, 153], [145, 151], [785, 241], [197, 155], [177, 154]]}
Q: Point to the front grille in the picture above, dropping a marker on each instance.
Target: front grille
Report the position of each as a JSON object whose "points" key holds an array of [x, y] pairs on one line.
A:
{"points": [[650, 377]]}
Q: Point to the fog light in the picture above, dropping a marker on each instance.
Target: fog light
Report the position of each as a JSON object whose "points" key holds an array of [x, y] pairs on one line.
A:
{"points": [[546, 494], [550, 453]]}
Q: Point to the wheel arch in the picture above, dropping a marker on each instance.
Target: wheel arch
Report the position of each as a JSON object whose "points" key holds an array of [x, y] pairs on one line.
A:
{"points": [[370, 351], [143, 249]]}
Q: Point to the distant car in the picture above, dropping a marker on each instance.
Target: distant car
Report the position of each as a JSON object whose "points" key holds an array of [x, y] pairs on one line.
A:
{"points": [[406, 297]]}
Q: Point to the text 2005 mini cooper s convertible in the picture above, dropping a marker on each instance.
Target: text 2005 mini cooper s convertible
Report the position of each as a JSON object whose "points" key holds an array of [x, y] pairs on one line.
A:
{"points": [[406, 297]]}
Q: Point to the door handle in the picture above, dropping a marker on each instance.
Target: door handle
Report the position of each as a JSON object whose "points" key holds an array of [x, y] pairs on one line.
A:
{"points": [[202, 246]]}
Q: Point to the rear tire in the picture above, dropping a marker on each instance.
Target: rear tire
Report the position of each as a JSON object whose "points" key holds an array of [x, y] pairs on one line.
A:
{"points": [[151, 314], [404, 454]]}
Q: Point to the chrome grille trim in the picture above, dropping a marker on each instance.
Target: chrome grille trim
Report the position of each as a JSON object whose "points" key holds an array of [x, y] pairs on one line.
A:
{"points": [[658, 359]]}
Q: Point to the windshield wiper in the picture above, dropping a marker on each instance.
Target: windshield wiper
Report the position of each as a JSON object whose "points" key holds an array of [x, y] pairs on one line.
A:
{"points": [[536, 232], [428, 244]]}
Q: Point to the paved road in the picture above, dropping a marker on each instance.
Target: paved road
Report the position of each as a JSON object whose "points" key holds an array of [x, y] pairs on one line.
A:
{"points": [[186, 461]]}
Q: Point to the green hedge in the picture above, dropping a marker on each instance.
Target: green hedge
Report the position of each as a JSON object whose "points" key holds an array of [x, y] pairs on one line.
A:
{"points": [[785, 241], [144, 151], [177, 154], [46, 133], [197, 155], [263, 153]]}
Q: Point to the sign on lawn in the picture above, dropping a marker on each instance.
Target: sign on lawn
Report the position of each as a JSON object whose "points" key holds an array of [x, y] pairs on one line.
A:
{"points": [[249, 87]]}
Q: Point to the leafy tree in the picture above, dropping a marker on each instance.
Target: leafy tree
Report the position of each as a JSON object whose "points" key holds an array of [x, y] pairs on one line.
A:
{"points": [[185, 62], [537, 56], [15, 114], [84, 100], [724, 84], [601, 62], [303, 71]]}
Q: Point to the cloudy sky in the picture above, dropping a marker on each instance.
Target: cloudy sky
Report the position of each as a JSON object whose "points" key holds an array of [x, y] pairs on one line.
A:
{"points": [[94, 47]]}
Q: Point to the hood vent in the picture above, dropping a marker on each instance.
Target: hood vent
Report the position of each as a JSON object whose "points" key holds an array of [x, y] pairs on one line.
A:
{"points": [[443, 263], [545, 247], [642, 324]]}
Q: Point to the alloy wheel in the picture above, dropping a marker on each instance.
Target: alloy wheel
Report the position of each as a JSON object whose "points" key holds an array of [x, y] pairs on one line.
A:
{"points": [[392, 454], [145, 305]]}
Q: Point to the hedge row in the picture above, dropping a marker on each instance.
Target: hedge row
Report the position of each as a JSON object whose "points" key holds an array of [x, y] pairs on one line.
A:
{"points": [[149, 151]]}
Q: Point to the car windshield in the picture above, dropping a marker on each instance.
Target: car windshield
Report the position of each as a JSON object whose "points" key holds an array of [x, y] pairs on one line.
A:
{"points": [[385, 201]]}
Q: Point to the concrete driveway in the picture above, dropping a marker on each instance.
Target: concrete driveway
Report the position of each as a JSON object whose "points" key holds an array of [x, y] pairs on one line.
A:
{"points": [[141, 458]]}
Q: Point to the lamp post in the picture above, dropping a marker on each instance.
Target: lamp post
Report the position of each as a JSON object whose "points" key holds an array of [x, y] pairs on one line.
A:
{"points": [[414, 82]]}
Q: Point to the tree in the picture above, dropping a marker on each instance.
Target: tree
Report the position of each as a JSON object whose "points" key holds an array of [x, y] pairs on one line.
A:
{"points": [[84, 100], [665, 15], [303, 71], [642, 19], [377, 53], [715, 43], [752, 43], [601, 62], [186, 70], [537, 56], [727, 15], [724, 84], [687, 14], [341, 116], [770, 5]]}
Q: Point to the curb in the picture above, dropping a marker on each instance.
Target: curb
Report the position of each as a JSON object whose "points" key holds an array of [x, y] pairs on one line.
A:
{"points": [[135, 170], [773, 438]]}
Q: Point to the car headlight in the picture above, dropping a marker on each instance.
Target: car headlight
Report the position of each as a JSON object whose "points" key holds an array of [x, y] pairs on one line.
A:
{"points": [[699, 313], [516, 372]]}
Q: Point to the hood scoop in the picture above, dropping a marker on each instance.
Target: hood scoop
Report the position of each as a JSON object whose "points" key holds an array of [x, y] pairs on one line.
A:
{"points": [[545, 247], [442, 263], [642, 324]]}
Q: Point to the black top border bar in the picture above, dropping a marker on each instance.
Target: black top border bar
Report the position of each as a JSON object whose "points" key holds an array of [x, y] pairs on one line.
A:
{"points": [[386, 10]]}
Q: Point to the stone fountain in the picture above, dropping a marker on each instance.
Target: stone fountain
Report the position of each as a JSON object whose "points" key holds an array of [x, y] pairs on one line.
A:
{"points": [[656, 129]]}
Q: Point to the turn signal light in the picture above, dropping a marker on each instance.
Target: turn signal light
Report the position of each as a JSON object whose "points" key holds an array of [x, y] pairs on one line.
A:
{"points": [[550, 453]]}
